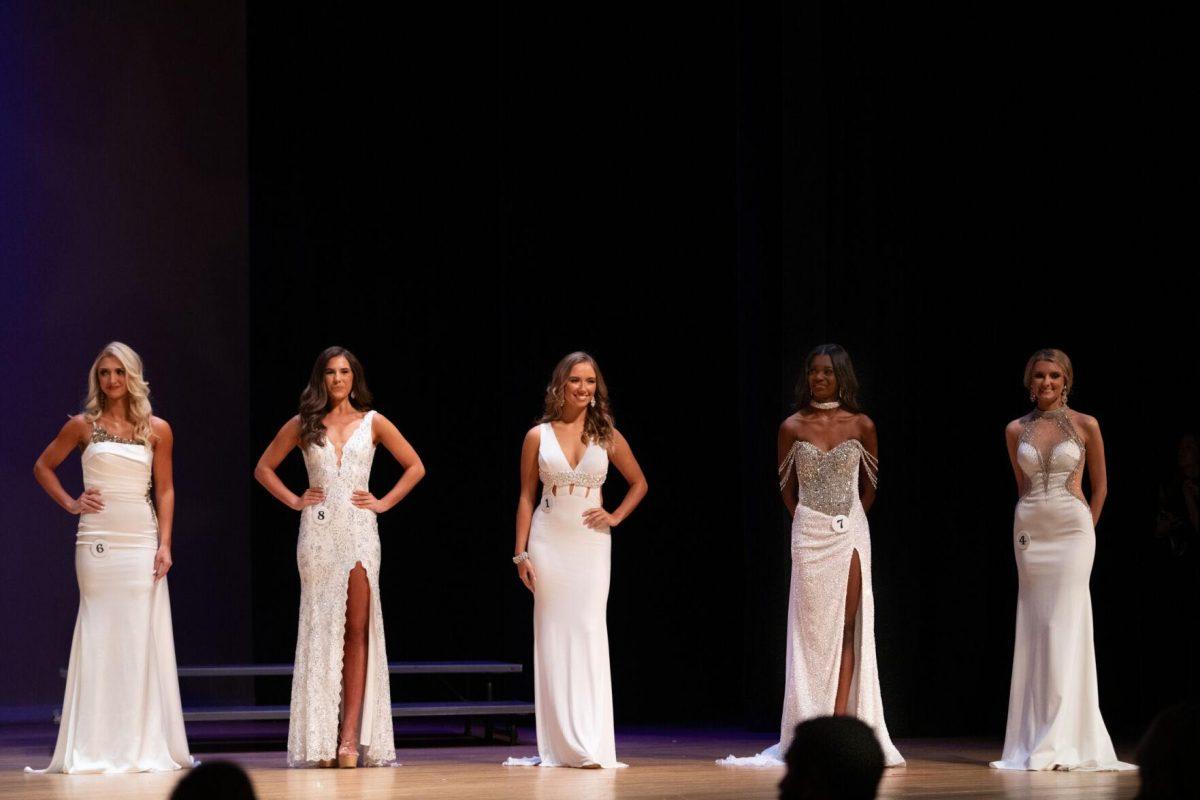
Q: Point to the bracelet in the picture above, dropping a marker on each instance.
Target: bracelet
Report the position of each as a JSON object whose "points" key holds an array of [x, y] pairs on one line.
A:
{"points": [[519, 557]]}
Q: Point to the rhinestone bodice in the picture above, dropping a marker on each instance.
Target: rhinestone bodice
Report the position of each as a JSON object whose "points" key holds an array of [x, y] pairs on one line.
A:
{"points": [[1050, 453], [827, 480]]}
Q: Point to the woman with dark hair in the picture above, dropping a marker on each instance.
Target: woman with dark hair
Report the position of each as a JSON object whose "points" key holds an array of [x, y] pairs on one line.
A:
{"points": [[341, 660], [563, 554], [828, 455], [1054, 717]]}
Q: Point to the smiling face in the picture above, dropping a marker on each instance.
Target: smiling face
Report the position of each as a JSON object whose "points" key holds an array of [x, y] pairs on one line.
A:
{"points": [[580, 386], [822, 381], [111, 377], [1047, 380], [339, 379]]}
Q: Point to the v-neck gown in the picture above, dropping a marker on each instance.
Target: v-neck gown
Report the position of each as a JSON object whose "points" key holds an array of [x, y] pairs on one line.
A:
{"points": [[334, 537], [572, 682]]}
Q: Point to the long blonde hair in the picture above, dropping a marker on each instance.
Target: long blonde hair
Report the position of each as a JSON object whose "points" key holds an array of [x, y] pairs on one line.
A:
{"points": [[598, 419], [137, 387]]}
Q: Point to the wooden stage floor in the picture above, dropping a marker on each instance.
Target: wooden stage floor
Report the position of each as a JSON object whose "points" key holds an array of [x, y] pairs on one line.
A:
{"points": [[676, 763]]}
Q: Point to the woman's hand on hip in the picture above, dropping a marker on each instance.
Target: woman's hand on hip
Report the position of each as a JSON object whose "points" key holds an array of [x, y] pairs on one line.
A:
{"points": [[598, 519]]}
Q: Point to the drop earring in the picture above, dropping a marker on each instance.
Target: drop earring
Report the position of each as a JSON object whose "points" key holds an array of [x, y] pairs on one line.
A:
{"points": [[593, 403]]}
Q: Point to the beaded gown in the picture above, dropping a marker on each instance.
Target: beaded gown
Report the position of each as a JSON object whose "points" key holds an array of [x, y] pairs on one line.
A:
{"points": [[572, 681], [828, 526], [121, 710], [1054, 717], [334, 537]]}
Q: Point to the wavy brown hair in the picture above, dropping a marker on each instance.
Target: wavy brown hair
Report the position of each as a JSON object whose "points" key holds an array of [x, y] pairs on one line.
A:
{"points": [[314, 400], [598, 419], [843, 371]]}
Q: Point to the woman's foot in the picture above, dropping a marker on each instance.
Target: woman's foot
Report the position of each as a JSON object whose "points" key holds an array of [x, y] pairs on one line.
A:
{"points": [[347, 755]]}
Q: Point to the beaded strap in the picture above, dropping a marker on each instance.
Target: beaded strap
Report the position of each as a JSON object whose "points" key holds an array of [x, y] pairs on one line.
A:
{"points": [[870, 463]]}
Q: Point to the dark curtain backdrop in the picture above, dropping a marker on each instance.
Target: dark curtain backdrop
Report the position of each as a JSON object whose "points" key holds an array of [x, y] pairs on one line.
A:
{"points": [[123, 216], [696, 197]]}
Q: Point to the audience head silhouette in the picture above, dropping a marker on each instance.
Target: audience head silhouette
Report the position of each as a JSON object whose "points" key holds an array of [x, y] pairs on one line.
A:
{"points": [[832, 758], [1166, 753], [222, 779]]}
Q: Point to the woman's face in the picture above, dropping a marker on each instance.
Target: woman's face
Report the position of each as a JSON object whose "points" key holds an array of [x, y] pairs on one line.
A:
{"points": [[580, 387], [1046, 381], [339, 379], [822, 383], [110, 373]]}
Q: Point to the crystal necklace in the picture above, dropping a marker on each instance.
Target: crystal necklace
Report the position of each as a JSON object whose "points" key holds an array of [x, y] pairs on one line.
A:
{"points": [[824, 406]]}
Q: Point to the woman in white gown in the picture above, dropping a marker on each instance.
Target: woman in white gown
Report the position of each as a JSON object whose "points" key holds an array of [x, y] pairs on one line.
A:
{"points": [[823, 449], [563, 554], [1054, 717], [341, 667], [121, 710]]}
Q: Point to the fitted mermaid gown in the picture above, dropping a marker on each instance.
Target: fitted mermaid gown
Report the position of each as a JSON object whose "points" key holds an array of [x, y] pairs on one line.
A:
{"points": [[121, 710], [1054, 719], [828, 527], [572, 681], [334, 537]]}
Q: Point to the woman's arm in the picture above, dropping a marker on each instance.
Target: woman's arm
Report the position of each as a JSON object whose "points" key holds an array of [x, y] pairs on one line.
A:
{"points": [[869, 437], [73, 433], [164, 492], [787, 439], [1097, 471], [389, 436], [264, 472], [525, 503], [1012, 437], [621, 455]]}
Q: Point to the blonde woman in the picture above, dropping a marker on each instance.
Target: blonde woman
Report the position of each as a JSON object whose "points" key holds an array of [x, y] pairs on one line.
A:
{"points": [[1054, 717], [563, 552], [121, 711]]}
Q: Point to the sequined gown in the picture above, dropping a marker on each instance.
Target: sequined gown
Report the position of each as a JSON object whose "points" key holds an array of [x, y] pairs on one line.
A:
{"points": [[828, 526], [121, 710], [334, 537], [572, 682], [1054, 717]]}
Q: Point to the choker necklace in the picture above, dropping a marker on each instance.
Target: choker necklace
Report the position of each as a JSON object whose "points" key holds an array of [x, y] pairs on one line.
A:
{"points": [[824, 406]]}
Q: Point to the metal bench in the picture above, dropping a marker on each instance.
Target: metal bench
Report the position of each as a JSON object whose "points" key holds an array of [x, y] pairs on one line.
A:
{"points": [[489, 709]]}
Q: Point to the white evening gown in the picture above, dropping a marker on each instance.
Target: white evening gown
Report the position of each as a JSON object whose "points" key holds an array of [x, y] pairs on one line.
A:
{"points": [[334, 537], [572, 682], [1054, 717], [829, 525], [121, 710]]}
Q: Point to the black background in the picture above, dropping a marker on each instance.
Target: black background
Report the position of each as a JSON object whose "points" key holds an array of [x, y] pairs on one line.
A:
{"points": [[697, 197]]}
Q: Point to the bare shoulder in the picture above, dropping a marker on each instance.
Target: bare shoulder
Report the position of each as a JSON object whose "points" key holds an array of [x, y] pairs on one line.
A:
{"points": [[534, 435], [381, 423], [76, 428], [160, 431], [1013, 429], [865, 424], [618, 441], [1085, 422], [792, 424]]}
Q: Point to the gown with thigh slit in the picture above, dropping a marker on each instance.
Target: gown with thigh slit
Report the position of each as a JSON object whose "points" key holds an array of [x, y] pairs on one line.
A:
{"points": [[121, 710], [828, 527], [334, 537], [572, 682], [1054, 717]]}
